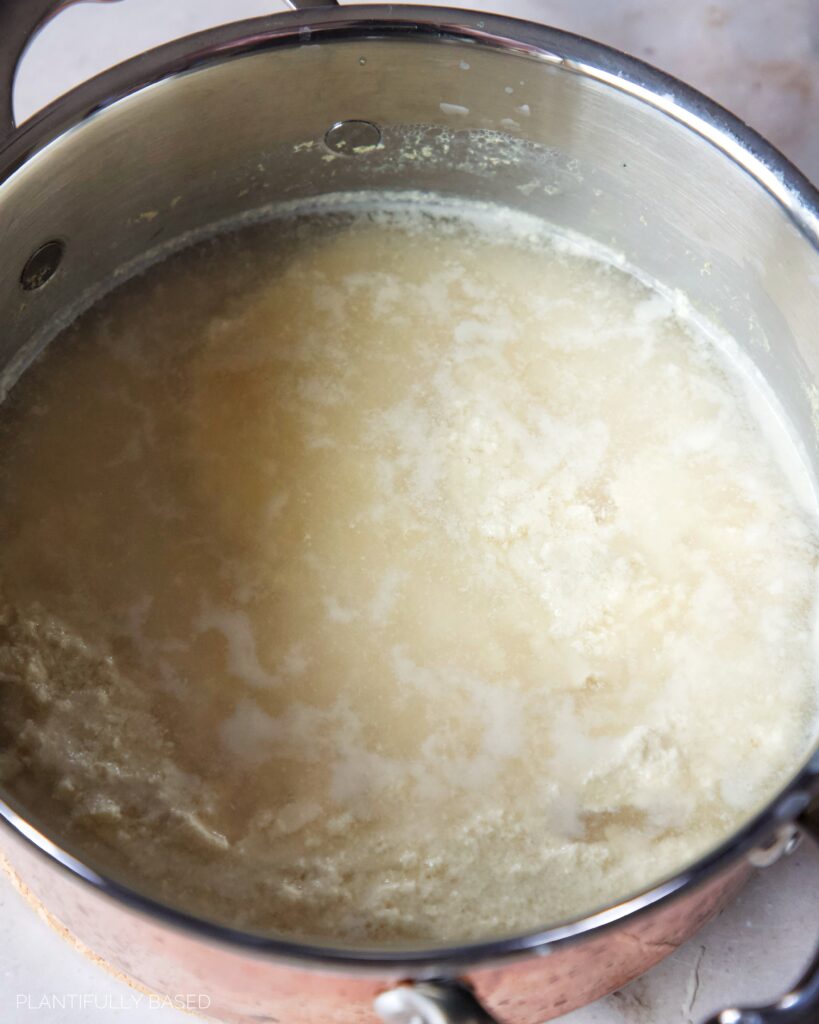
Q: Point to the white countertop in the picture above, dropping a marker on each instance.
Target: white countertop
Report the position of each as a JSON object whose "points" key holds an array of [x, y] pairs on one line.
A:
{"points": [[761, 59]]}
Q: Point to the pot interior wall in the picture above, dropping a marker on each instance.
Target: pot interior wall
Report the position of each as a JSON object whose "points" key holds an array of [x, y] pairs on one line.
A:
{"points": [[457, 117]]}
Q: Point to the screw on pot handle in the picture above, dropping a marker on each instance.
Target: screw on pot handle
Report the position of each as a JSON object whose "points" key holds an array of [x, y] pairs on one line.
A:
{"points": [[801, 1004], [19, 22]]}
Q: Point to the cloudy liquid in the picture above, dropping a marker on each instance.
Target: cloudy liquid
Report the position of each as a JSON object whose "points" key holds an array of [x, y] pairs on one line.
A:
{"points": [[397, 578]]}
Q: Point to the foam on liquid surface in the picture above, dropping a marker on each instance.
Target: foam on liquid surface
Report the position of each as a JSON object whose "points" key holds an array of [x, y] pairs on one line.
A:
{"points": [[397, 579]]}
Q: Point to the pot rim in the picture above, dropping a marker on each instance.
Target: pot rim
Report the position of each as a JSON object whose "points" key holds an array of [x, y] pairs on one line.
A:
{"points": [[574, 54]]}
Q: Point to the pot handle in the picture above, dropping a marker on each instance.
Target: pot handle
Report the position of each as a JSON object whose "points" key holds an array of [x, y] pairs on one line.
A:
{"points": [[453, 1002], [19, 22], [431, 1002], [801, 1004]]}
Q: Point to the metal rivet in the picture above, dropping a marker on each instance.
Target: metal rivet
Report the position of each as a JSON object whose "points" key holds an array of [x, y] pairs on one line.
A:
{"points": [[42, 265], [350, 137], [793, 843], [784, 841]]}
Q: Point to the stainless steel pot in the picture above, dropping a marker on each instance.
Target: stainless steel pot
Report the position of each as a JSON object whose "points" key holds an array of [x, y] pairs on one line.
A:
{"points": [[400, 97]]}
